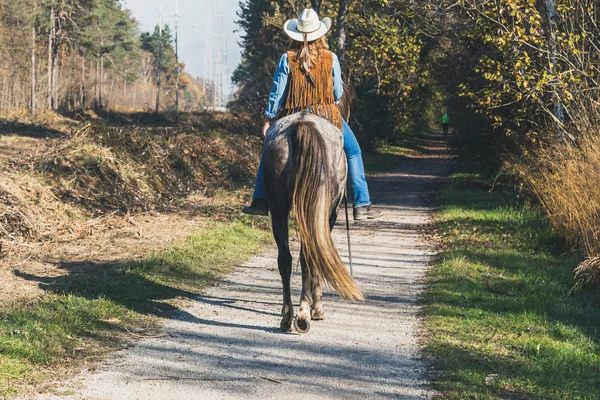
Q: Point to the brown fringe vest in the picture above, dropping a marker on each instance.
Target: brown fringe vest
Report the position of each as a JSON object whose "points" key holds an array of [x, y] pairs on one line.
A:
{"points": [[316, 98]]}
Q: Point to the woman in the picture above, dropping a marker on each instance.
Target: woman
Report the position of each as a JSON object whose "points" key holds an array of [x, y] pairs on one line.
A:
{"points": [[309, 78]]}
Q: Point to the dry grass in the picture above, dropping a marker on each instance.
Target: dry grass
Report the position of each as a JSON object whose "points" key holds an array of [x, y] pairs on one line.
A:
{"points": [[106, 168], [30, 210], [564, 176], [587, 273]]}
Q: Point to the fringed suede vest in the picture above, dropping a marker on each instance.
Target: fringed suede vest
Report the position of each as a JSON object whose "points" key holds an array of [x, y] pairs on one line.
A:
{"points": [[317, 98]]}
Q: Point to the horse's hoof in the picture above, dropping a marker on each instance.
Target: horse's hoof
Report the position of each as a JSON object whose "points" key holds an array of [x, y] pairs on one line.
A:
{"points": [[286, 325], [317, 315], [301, 325]]}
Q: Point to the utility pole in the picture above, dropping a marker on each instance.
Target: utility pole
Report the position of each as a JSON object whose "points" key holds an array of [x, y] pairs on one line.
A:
{"points": [[218, 79], [214, 71], [160, 30], [207, 73], [224, 73]]}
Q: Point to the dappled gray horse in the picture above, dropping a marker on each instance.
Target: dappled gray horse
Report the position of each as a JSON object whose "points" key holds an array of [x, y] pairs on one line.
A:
{"points": [[305, 172]]}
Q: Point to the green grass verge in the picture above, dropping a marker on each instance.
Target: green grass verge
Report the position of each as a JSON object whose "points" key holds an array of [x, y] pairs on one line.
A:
{"points": [[500, 318], [91, 310]]}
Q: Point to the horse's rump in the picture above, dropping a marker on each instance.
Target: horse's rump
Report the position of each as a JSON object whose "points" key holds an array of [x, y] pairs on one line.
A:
{"points": [[306, 170]]}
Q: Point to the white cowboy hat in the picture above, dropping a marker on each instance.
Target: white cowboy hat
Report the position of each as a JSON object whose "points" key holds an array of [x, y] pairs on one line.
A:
{"points": [[307, 26]]}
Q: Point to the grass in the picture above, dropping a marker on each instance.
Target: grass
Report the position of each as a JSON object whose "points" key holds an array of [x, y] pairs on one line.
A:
{"points": [[87, 312], [501, 319]]}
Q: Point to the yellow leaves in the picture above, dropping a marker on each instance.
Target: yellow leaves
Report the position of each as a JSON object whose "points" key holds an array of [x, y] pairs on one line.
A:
{"points": [[568, 96]]}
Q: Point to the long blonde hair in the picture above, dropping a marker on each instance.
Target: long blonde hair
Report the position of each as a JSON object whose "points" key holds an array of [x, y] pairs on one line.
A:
{"points": [[308, 54]]}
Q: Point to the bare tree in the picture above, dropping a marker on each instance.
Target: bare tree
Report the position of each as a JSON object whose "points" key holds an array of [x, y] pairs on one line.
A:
{"points": [[33, 47], [51, 35]]}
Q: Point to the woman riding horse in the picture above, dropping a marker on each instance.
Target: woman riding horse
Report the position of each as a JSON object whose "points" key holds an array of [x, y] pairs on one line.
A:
{"points": [[309, 78]]}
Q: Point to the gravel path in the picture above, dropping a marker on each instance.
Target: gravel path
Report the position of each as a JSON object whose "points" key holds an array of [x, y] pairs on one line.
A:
{"points": [[227, 345]]}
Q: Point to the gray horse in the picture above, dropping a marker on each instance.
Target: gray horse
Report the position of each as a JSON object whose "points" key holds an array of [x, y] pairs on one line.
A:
{"points": [[305, 172]]}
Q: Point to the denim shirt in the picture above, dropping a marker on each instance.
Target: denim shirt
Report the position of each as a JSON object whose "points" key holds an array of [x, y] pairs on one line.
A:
{"points": [[280, 83]]}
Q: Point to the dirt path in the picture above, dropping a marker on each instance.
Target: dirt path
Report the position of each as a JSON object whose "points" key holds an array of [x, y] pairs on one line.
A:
{"points": [[228, 345]]}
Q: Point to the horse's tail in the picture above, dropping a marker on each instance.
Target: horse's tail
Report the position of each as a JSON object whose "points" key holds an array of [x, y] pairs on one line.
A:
{"points": [[312, 203]]}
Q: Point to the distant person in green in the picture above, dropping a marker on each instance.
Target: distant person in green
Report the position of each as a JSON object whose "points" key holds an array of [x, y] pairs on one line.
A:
{"points": [[445, 124]]}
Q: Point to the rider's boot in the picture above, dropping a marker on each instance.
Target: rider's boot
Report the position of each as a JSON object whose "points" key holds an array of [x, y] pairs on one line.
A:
{"points": [[257, 207], [366, 212]]}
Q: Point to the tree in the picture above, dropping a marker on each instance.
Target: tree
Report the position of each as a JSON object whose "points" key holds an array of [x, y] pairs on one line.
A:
{"points": [[342, 30], [93, 51], [316, 5], [263, 43]]}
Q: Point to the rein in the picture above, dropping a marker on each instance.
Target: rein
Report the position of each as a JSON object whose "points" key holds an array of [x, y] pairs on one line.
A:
{"points": [[348, 231]]}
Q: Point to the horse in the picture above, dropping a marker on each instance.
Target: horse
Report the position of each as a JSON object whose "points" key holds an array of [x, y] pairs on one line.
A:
{"points": [[305, 172]]}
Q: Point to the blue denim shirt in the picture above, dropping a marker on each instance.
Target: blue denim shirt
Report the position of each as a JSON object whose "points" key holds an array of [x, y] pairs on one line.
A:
{"points": [[280, 83]]}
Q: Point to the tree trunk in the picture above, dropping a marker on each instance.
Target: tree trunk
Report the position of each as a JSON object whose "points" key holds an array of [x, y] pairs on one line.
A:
{"points": [[55, 71], [101, 75], [342, 30], [109, 97], [50, 48], [316, 5], [82, 95], [33, 83], [97, 81], [134, 98], [4, 94]]}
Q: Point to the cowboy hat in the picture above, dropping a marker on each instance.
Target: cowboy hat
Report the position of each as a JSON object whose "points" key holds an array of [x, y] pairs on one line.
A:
{"points": [[307, 26]]}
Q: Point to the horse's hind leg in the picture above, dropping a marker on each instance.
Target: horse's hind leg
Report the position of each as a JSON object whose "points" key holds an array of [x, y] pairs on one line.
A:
{"points": [[305, 298], [316, 312], [284, 262]]}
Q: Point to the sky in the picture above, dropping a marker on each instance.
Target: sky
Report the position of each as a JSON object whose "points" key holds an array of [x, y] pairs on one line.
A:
{"points": [[196, 17]]}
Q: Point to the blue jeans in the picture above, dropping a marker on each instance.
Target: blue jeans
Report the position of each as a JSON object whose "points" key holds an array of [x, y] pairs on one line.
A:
{"points": [[356, 170]]}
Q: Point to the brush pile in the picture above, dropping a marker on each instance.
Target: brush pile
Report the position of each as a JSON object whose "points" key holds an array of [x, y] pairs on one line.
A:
{"points": [[100, 170], [108, 169]]}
